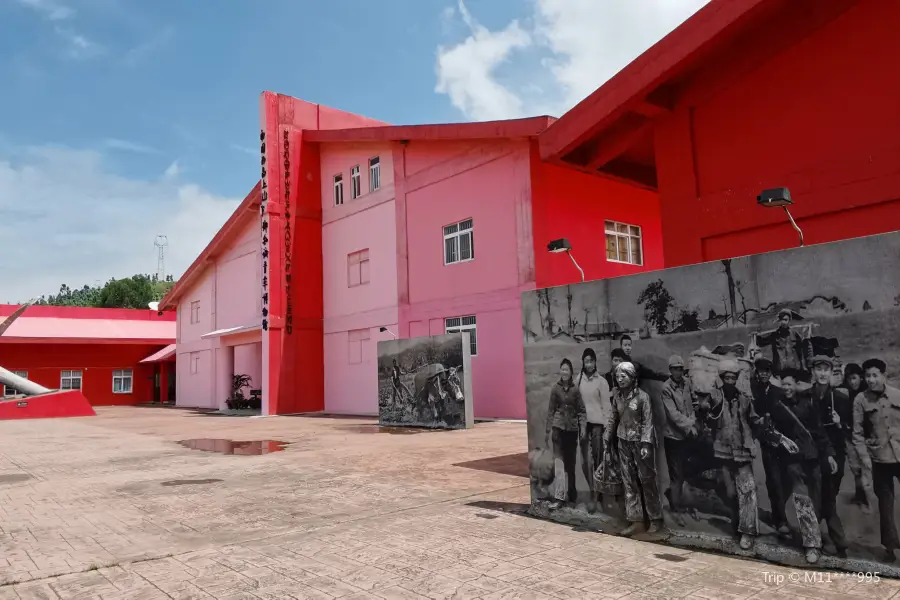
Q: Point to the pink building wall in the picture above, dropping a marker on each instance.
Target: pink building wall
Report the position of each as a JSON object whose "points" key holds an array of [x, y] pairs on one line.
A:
{"points": [[353, 314], [227, 297], [488, 182]]}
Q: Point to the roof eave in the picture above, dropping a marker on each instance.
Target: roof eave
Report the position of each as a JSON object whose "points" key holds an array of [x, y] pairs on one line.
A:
{"points": [[510, 128]]}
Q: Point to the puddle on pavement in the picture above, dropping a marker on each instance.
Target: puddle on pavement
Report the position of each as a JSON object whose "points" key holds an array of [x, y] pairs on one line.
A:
{"points": [[385, 429], [251, 448], [175, 482]]}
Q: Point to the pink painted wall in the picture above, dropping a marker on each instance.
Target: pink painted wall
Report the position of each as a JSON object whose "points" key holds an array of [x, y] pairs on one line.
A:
{"points": [[228, 297], [490, 183], [354, 314]]}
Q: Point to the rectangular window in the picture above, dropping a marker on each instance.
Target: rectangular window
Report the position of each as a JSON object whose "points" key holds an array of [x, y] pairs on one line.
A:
{"points": [[374, 174], [358, 268], [457, 324], [195, 312], [338, 190], [356, 338], [195, 363], [623, 243], [11, 391], [459, 242], [123, 380], [355, 183], [70, 380]]}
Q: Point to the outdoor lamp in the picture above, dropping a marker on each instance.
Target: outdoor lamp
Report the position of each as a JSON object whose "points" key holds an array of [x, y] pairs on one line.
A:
{"points": [[383, 329], [779, 197], [563, 245]]}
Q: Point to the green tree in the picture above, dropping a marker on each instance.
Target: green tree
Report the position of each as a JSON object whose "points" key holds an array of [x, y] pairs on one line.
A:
{"points": [[132, 292]]}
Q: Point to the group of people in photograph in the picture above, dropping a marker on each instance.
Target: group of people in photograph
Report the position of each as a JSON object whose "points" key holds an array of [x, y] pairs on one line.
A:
{"points": [[805, 413]]}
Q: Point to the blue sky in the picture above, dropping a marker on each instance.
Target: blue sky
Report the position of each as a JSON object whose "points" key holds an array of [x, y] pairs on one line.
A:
{"points": [[121, 119]]}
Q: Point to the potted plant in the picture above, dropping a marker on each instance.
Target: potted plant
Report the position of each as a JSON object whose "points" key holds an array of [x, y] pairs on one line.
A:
{"points": [[237, 400]]}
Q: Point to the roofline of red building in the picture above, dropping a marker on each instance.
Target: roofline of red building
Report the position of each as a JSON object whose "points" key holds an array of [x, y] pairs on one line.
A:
{"points": [[629, 87], [249, 208], [46, 311], [510, 128], [88, 341], [228, 233]]}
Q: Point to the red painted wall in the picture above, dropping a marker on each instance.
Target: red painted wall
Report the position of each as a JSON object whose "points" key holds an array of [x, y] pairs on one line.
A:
{"points": [[831, 134], [79, 312], [574, 205], [70, 403], [43, 362]]}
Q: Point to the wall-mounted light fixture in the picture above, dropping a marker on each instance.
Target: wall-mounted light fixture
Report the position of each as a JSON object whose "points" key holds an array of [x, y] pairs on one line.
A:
{"points": [[385, 329], [780, 197], [563, 245]]}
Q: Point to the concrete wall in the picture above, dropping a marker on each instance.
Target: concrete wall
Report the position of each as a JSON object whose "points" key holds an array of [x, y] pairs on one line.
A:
{"points": [[228, 297], [489, 182], [354, 312]]}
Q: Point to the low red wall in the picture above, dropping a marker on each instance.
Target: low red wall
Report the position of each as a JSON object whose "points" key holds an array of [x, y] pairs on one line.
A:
{"points": [[43, 362], [71, 403]]}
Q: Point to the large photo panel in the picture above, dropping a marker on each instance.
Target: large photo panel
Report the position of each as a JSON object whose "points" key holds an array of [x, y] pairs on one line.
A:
{"points": [[756, 409], [426, 382]]}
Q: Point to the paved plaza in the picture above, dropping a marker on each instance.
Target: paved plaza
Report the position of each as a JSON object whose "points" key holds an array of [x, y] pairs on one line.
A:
{"points": [[113, 507]]}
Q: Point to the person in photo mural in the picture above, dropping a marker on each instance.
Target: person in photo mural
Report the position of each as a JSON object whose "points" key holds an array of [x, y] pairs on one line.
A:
{"points": [[876, 434], [397, 383], [566, 426], [680, 430], [801, 473], [631, 421], [626, 344], [735, 425], [787, 345], [596, 397], [767, 398], [855, 384], [837, 418], [616, 357]]}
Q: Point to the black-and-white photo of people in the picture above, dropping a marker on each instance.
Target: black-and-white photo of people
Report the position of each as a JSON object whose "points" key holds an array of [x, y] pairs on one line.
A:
{"points": [[566, 426], [595, 394], [631, 421], [680, 430], [854, 381], [786, 345]]}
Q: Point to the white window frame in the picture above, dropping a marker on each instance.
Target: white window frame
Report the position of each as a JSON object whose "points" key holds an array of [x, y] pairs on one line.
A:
{"points": [[611, 230], [67, 377], [453, 233], [355, 183], [123, 376], [355, 340], [195, 312], [356, 261], [338, 189], [194, 357], [8, 391], [466, 323], [374, 173]]}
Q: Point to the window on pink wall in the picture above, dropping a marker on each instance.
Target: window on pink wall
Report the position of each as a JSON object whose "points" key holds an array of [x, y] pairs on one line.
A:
{"points": [[356, 339], [358, 268]]}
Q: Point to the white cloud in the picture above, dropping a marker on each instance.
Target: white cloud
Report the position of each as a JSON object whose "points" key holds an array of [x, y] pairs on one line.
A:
{"points": [[66, 218], [78, 46], [172, 171], [117, 144], [140, 52], [54, 11], [574, 46]]}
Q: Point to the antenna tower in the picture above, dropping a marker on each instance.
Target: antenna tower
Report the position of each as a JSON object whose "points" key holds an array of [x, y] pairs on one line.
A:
{"points": [[161, 242]]}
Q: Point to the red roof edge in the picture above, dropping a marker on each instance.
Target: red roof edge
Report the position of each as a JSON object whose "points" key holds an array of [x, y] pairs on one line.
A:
{"points": [[239, 219], [645, 73], [510, 128]]}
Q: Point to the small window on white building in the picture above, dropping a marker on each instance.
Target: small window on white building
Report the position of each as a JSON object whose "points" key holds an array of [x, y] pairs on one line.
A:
{"points": [[459, 242], [457, 324], [338, 190], [70, 380], [195, 362], [358, 268], [11, 391], [356, 340], [195, 312], [355, 183], [374, 174], [623, 243], [123, 381]]}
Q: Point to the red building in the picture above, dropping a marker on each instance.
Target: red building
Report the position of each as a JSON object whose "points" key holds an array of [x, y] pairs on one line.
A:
{"points": [[748, 95], [100, 351]]}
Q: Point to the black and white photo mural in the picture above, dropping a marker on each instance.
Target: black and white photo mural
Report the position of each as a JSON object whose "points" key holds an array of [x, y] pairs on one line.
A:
{"points": [[748, 405], [426, 382]]}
